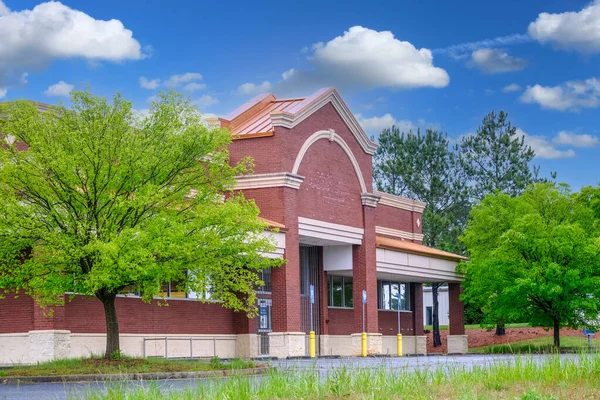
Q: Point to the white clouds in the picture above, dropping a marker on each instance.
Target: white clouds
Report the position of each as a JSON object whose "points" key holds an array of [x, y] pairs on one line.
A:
{"points": [[194, 86], [251, 88], [149, 84], [32, 39], [59, 89], [569, 96], [496, 61], [457, 50], [578, 31], [178, 80], [3, 91], [367, 59], [572, 139], [187, 80], [205, 101], [513, 87], [375, 125], [544, 148]]}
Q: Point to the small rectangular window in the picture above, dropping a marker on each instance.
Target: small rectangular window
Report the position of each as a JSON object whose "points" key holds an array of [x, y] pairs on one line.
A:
{"points": [[339, 291]]}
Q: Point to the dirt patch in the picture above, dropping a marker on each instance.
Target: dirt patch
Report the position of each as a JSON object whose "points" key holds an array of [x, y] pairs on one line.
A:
{"points": [[483, 337]]}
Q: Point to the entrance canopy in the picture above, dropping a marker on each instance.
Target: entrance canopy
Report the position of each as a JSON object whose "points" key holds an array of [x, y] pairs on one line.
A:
{"points": [[415, 262]]}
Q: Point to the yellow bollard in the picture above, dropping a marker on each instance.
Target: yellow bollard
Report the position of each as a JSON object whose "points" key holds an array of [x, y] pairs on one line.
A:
{"points": [[312, 344], [399, 345], [364, 344]]}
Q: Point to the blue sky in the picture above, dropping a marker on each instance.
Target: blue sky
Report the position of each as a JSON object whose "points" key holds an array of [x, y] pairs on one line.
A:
{"points": [[416, 64]]}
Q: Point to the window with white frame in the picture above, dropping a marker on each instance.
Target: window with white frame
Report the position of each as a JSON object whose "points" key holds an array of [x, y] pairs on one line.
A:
{"points": [[387, 295]]}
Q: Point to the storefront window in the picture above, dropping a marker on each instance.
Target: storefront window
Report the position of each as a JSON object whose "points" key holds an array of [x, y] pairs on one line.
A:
{"points": [[387, 295], [339, 291]]}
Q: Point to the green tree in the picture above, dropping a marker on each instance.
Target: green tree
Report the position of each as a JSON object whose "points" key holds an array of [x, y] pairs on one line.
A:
{"points": [[105, 199], [535, 256], [496, 158], [425, 168]]}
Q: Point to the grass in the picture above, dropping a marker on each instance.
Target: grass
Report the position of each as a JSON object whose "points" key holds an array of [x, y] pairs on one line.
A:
{"points": [[523, 378], [96, 365], [539, 345], [477, 326]]}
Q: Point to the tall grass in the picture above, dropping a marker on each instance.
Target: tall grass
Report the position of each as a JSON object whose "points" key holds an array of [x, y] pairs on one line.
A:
{"points": [[523, 378]]}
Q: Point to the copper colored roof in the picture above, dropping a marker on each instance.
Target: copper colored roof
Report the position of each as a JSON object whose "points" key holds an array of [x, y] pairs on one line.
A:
{"points": [[273, 224], [414, 248], [261, 121]]}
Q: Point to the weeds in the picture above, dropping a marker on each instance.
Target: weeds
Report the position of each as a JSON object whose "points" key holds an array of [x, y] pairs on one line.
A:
{"points": [[524, 378]]}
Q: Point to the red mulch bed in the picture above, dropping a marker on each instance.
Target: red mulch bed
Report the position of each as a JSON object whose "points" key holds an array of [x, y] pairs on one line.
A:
{"points": [[483, 337]]}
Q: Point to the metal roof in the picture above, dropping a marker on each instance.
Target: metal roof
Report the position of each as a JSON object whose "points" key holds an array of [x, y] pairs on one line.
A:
{"points": [[261, 121]]}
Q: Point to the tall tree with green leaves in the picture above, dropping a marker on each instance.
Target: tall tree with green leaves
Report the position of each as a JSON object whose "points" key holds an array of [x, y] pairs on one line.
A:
{"points": [[104, 199], [496, 158], [425, 168], [536, 257]]}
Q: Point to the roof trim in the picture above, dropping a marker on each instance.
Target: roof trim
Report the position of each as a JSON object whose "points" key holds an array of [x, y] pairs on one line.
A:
{"points": [[301, 111], [414, 248], [400, 202], [273, 224]]}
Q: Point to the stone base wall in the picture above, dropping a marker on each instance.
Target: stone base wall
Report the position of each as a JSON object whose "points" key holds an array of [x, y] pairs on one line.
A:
{"points": [[287, 344], [40, 346], [458, 344], [411, 345]]}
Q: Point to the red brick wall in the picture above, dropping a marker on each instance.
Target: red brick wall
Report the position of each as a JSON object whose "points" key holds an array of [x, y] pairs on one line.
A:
{"points": [[86, 315], [394, 218], [341, 321], [16, 314], [388, 323], [331, 190], [270, 202]]}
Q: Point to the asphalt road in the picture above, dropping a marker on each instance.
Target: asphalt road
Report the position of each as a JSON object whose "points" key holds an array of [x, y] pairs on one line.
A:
{"points": [[60, 391]]}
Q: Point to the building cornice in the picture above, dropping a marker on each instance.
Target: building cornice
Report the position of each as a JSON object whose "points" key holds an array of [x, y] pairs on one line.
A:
{"points": [[279, 179], [400, 202], [291, 119], [370, 199], [317, 229], [381, 230]]}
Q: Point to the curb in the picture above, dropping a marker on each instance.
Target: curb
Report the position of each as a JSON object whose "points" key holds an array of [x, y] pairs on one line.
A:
{"points": [[18, 380]]}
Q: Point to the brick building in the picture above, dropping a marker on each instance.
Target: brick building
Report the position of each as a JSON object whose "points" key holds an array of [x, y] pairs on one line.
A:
{"points": [[313, 181]]}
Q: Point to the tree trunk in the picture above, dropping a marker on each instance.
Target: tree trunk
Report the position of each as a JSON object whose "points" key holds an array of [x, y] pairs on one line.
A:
{"points": [[437, 340], [557, 333], [500, 330], [112, 324]]}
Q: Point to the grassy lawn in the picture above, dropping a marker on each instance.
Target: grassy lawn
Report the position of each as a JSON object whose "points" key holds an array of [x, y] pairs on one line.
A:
{"points": [[86, 366], [524, 379], [477, 326], [539, 345]]}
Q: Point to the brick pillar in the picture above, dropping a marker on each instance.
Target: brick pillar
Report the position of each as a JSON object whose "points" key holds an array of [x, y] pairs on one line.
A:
{"points": [[364, 274], [457, 310], [286, 279], [417, 308]]}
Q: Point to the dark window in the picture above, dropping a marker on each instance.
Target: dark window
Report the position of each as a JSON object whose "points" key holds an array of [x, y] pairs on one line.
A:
{"points": [[387, 295], [265, 276], [339, 291]]}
